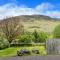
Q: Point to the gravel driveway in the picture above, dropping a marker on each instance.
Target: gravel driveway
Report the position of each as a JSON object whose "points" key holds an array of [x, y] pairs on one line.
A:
{"points": [[54, 57]]}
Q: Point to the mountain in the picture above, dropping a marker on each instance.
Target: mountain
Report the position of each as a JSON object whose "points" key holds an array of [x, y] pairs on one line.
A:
{"points": [[38, 22]]}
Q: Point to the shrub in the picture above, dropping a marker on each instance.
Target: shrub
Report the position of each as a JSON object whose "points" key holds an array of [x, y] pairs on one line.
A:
{"points": [[56, 32], [39, 37], [29, 38], [42, 37], [36, 35], [43, 53], [3, 43], [26, 38], [36, 51]]}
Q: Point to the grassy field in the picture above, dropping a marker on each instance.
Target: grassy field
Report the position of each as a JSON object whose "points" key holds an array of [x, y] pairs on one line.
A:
{"points": [[12, 51], [40, 25]]}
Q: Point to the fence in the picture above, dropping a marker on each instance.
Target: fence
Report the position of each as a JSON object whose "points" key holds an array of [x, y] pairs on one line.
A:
{"points": [[53, 46]]}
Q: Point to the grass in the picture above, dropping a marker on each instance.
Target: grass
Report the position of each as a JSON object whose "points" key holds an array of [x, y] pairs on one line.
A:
{"points": [[12, 51], [40, 25]]}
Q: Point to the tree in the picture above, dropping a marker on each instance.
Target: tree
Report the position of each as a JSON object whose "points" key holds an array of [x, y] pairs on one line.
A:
{"points": [[36, 35], [42, 36], [39, 37], [56, 32], [11, 28]]}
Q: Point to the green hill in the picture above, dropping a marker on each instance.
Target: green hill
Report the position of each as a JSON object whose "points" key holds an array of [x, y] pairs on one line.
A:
{"points": [[38, 22]]}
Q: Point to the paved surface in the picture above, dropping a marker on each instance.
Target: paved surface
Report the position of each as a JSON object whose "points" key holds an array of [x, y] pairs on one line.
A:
{"points": [[33, 58]]}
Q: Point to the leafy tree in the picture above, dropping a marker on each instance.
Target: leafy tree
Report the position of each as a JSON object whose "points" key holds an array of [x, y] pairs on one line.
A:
{"points": [[11, 28], [36, 35], [56, 32], [26, 38], [42, 37], [39, 37]]}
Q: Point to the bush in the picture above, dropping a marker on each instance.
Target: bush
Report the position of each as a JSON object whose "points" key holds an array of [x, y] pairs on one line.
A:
{"points": [[36, 51], [43, 53], [3, 43], [42, 37], [26, 38], [39, 37], [56, 32], [36, 35]]}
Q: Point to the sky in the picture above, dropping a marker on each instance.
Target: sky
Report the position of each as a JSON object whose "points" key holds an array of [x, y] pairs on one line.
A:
{"points": [[9, 8]]}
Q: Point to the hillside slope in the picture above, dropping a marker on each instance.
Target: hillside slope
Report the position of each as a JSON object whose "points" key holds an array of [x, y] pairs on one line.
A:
{"points": [[38, 22]]}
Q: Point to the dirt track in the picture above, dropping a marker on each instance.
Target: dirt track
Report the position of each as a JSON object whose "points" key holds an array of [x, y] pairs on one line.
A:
{"points": [[33, 58]]}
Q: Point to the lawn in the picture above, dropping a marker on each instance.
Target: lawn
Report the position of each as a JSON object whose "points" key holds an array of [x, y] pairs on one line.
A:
{"points": [[12, 50]]}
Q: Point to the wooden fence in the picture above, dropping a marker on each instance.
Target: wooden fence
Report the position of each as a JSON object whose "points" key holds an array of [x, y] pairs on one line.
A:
{"points": [[53, 46]]}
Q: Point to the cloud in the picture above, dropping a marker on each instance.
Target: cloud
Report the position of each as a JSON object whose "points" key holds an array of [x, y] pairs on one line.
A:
{"points": [[53, 14], [11, 9]]}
